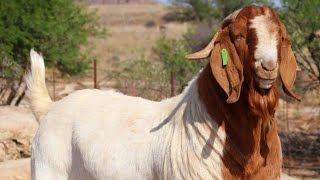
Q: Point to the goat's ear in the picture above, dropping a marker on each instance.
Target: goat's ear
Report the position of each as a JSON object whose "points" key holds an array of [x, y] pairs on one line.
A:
{"points": [[288, 67], [226, 66], [227, 70]]}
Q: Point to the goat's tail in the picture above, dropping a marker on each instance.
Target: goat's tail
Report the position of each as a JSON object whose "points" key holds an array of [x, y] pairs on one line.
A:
{"points": [[40, 100]]}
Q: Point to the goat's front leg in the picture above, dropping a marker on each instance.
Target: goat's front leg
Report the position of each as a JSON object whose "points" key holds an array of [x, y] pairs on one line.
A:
{"points": [[43, 171]]}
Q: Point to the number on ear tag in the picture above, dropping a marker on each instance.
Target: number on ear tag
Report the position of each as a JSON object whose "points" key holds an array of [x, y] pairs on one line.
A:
{"points": [[224, 55]]}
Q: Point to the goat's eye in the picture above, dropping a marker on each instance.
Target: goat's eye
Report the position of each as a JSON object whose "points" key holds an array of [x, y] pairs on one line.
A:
{"points": [[239, 37]]}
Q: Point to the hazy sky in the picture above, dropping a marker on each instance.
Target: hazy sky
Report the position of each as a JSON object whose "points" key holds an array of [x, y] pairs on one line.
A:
{"points": [[163, 1]]}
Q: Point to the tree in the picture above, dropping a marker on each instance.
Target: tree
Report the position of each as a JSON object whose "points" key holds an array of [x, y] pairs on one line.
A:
{"points": [[158, 79], [56, 28], [196, 9], [140, 77], [177, 69], [302, 21]]}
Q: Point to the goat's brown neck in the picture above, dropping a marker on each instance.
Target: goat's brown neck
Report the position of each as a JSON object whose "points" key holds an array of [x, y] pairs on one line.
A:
{"points": [[248, 140]]}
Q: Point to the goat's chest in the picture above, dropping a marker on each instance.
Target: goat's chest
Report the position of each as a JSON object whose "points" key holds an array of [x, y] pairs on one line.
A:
{"points": [[264, 164]]}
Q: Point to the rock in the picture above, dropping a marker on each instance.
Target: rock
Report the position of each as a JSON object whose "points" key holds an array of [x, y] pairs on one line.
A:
{"points": [[287, 177], [17, 128], [15, 170]]}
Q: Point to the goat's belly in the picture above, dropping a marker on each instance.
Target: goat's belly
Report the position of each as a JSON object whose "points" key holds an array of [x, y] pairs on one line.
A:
{"points": [[109, 152], [117, 146]]}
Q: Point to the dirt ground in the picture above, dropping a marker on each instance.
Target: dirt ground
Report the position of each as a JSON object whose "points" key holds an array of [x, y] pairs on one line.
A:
{"points": [[299, 124], [301, 152]]}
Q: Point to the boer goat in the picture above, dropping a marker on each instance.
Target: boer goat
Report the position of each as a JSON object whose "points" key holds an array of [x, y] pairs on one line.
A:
{"points": [[221, 126]]}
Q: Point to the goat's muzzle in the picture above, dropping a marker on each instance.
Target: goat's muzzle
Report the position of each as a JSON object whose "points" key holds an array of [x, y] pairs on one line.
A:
{"points": [[266, 74]]}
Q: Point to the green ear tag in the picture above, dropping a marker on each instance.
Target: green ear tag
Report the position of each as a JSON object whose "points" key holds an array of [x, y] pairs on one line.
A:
{"points": [[224, 55]]}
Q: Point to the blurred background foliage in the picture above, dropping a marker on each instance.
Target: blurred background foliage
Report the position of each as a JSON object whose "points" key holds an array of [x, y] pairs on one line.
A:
{"points": [[57, 28], [60, 30], [302, 19], [141, 77], [178, 71]]}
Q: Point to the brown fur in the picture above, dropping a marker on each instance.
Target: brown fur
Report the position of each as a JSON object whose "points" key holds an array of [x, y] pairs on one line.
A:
{"points": [[252, 147], [288, 64], [247, 152]]}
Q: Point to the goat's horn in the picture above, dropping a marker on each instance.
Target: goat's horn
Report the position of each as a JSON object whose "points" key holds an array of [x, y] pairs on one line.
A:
{"points": [[204, 53], [229, 18]]}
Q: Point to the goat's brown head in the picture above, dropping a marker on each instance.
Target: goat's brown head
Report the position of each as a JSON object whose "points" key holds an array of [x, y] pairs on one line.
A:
{"points": [[257, 48]]}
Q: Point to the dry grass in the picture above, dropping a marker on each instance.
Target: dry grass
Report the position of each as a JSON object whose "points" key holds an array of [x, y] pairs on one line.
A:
{"points": [[130, 37]]}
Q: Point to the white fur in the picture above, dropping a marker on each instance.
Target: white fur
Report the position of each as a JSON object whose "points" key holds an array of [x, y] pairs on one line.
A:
{"points": [[266, 49], [267, 41], [93, 134], [265, 84], [37, 90]]}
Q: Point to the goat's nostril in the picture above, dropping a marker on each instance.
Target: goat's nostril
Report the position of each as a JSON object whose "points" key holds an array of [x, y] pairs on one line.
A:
{"points": [[269, 65]]}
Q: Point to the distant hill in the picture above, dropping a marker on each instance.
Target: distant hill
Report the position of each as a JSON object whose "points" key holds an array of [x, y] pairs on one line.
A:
{"points": [[134, 30], [96, 2]]}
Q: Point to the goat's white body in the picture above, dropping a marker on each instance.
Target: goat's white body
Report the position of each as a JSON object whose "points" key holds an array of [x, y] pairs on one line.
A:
{"points": [[94, 134]]}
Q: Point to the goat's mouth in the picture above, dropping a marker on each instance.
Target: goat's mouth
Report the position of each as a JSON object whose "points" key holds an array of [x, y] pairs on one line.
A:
{"points": [[264, 83], [264, 78]]}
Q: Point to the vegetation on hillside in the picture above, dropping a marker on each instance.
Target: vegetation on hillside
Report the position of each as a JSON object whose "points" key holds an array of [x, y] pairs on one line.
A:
{"points": [[302, 21], [56, 28], [178, 71]]}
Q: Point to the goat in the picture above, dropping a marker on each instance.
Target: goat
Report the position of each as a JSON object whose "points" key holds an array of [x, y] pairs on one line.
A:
{"points": [[221, 126]]}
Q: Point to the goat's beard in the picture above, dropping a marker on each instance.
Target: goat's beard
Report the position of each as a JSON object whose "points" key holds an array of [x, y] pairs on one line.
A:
{"points": [[263, 103]]}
